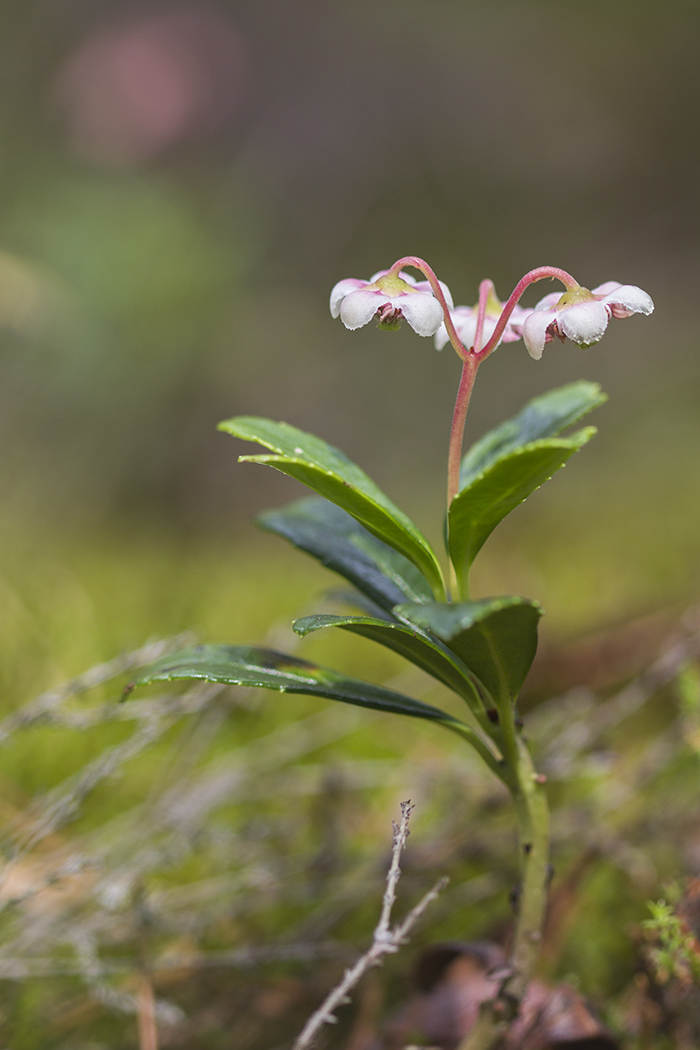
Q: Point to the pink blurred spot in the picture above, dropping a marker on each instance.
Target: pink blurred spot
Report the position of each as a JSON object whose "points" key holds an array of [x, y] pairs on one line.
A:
{"points": [[132, 90]]}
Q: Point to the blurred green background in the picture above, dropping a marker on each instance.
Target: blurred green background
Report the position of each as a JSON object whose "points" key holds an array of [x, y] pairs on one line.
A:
{"points": [[181, 184]]}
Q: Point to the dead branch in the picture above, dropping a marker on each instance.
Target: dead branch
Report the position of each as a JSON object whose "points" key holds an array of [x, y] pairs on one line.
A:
{"points": [[44, 704], [384, 941]]}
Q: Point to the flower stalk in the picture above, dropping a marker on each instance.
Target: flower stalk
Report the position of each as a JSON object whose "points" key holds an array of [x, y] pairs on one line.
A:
{"points": [[473, 356], [464, 393], [429, 273]]}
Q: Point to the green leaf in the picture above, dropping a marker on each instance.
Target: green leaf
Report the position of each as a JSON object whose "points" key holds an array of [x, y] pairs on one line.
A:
{"points": [[244, 665], [495, 637], [340, 543], [543, 417], [503, 485], [408, 641], [330, 473]]}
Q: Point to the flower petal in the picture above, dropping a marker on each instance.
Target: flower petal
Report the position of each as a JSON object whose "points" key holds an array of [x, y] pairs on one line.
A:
{"points": [[607, 286], [447, 293], [424, 286], [488, 330], [359, 307], [466, 330], [511, 334], [422, 311], [514, 328], [627, 299], [341, 289], [584, 323], [550, 300], [535, 331], [519, 314], [464, 320], [441, 337]]}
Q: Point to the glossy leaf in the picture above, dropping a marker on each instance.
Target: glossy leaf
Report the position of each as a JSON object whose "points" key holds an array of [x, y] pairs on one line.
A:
{"points": [[544, 417], [495, 637], [411, 642], [265, 668], [332, 475], [248, 665], [478, 508], [340, 543], [362, 605]]}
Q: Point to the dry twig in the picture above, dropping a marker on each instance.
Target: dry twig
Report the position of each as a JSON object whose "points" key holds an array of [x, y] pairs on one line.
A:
{"points": [[42, 707], [384, 942]]}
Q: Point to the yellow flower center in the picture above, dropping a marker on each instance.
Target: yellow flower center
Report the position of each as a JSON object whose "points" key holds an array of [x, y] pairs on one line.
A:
{"points": [[494, 307], [392, 284], [576, 295]]}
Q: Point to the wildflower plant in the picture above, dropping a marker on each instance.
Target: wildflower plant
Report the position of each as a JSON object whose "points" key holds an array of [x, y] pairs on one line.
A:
{"points": [[480, 648], [673, 950]]}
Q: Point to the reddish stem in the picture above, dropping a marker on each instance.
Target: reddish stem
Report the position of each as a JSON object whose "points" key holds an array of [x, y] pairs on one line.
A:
{"points": [[485, 289], [472, 358], [427, 271], [148, 1031], [466, 385], [464, 393], [538, 274]]}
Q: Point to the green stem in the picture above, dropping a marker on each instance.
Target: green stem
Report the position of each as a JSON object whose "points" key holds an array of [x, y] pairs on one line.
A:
{"points": [[532, 818], [493, 761], [532, 815]]}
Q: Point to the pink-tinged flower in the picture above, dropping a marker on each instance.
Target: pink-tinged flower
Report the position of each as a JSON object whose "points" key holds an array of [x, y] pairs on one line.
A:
{"points": [[389, 298], [464, 319], [581, 315]]}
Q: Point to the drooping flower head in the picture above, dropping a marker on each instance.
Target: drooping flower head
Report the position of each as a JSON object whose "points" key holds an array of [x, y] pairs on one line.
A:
{"points": [[581, 315], [390, 298], [464, 318]]}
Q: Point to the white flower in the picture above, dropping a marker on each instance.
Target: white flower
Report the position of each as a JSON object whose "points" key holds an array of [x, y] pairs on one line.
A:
{"points": [[389, 299], [580, 315], [464, 319]]}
